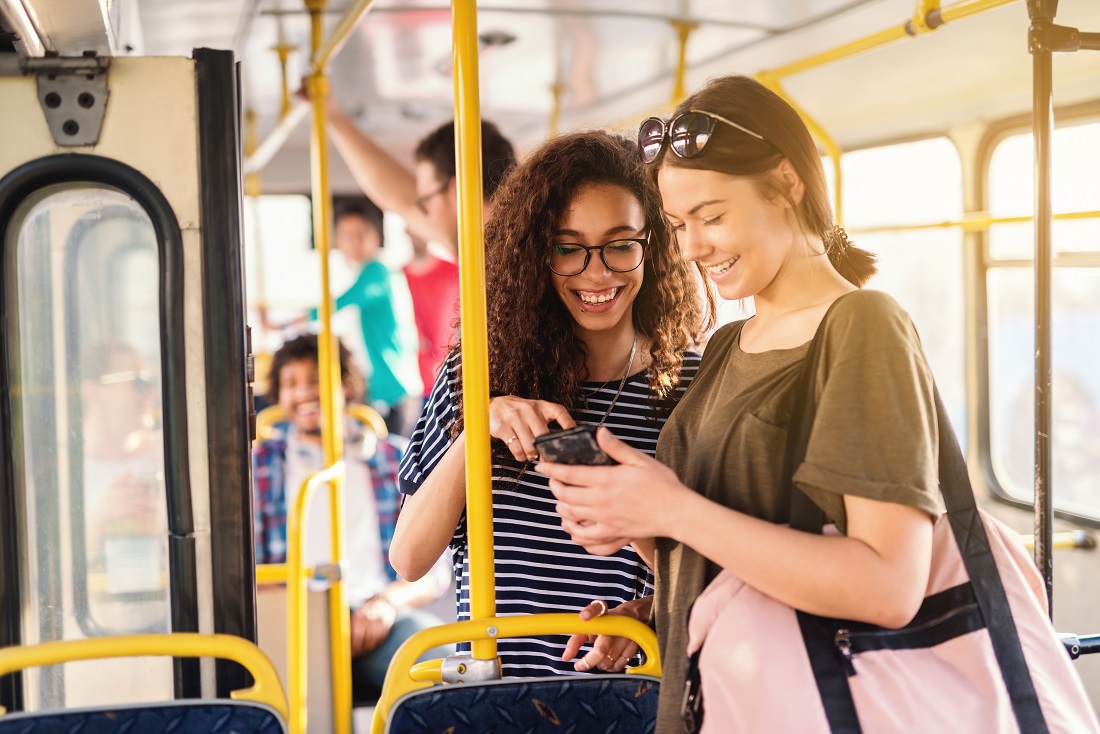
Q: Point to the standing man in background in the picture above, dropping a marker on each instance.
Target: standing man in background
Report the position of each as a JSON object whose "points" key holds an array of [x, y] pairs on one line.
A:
{"points": [[427, 199]]}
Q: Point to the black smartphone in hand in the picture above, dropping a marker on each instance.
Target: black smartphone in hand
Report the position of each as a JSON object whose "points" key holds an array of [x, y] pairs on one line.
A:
{"points": [[575, 445]]}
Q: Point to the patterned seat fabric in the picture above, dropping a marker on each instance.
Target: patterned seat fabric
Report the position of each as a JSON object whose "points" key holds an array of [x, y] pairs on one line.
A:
{"points": [[178, 717], [593, 704]]}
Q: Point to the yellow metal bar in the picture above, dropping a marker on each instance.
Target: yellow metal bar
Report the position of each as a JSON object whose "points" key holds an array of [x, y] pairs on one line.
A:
{"points": [[882, 38], [322, 55], [1066, 540], [270, 573], [296, 578], [771, 81], [554, 125], [323, 52], [972, 223], [266, 689], [958, 11], [683, 33], [274, 141], [332, 398], [283, 51], [921, 13], [405, 676], [475, 355]]}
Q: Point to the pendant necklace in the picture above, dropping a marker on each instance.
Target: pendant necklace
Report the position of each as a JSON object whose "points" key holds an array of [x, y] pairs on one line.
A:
{"points": [[622, 383]]}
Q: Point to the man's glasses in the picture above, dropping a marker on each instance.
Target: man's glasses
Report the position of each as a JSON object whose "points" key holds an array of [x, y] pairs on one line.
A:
{"points": [[687, 134], [141, 380], [422, 201], [620, 256]]}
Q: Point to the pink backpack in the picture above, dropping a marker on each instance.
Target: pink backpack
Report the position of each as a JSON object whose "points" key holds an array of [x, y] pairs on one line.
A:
{"points": [[980, 656]]}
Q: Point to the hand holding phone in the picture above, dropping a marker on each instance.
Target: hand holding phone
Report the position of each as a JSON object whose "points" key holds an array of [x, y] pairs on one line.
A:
{"points": [[575, 445]]}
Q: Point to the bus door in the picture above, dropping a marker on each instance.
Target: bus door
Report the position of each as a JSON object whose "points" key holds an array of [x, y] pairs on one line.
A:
{"points": [[125, 503]]}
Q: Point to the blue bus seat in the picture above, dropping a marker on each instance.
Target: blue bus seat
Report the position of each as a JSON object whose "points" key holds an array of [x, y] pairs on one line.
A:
{"points": [[219, 716], [583, 704]]}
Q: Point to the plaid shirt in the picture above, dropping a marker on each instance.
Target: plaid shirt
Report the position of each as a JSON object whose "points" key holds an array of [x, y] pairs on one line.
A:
{"points": [[269, 495]]}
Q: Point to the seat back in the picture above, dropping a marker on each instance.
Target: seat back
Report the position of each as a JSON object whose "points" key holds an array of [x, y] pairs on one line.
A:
{"points": [[583, 703], [259, 708], [179, 717]]}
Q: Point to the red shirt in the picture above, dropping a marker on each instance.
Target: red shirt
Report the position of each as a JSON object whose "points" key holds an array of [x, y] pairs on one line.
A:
{"points": [[434, 288]]}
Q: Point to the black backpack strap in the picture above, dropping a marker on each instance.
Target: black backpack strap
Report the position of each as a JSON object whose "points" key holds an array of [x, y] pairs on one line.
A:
{"points": [[970, 534], [828, 668]]}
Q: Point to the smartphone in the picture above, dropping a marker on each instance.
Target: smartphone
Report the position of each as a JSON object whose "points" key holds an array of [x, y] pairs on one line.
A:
{"points": [[575, 445]]}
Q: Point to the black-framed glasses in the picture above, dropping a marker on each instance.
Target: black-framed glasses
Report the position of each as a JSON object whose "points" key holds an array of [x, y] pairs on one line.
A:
{"points": [[687, 134], [421, 201], [620, 256]]}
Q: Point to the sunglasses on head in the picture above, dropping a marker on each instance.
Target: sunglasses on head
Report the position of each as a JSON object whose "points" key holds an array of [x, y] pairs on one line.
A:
{"points": [[687, 134]]}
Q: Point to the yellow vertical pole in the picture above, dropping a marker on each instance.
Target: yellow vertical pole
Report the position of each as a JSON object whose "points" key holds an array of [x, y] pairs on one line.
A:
{"points": [[683, 32], [475, 357], [332, 398]]}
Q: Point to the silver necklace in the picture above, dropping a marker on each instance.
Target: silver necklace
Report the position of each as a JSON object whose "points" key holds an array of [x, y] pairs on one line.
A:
{"points": [[622, 383]]}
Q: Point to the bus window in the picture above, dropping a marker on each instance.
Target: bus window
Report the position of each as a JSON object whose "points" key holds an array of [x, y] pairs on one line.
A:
{"points": [[1010, 281], [916, 182], [83, 294]]}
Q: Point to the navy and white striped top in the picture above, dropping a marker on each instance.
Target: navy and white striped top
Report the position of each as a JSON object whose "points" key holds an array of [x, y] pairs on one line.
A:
{"points": [[538, 568]]}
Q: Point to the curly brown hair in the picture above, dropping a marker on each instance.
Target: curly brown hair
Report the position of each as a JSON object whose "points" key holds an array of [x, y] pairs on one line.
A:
{"points": [[534, 349]]}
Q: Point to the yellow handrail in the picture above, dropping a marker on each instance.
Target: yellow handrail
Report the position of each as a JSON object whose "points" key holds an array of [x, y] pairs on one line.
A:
{"points": [[475, 356], [322, 55], [833, 150], [266, 688], [882, 38], [296, 596], [972, 222], [364, 414], [404, 676]]}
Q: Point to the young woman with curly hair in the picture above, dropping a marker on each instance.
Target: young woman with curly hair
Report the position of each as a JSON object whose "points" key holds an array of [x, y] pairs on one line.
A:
{"points": [[591, 315]]}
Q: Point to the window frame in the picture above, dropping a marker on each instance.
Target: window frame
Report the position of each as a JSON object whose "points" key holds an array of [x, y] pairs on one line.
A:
{"points": [[15, 187], [994, 135]]}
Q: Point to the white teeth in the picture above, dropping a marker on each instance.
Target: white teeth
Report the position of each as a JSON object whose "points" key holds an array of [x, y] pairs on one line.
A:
{"points": [[594, 299], [722, 267]]}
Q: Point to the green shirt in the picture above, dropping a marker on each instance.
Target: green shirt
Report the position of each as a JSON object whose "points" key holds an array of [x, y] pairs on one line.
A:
{"points": [[874, 436], [389, 333]]}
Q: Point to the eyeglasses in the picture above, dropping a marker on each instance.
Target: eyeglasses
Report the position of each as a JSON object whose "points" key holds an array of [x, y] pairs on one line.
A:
{"points": [[421, 201], [142, 380], [620, 256], [689, 133]]}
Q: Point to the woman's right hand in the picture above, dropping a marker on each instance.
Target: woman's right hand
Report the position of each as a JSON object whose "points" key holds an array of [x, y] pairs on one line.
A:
{"points": [[517, 421]]}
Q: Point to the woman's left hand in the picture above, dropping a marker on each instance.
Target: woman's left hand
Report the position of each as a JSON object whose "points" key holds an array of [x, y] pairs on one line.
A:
{"points": [[604, 508], [610, 654]]}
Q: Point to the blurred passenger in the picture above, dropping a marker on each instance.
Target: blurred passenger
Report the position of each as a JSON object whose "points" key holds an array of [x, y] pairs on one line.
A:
{"points": [[385, 317], [125, 502], [743, 187], [433, 285], [590, 317], [426, 198], [385, 611]]}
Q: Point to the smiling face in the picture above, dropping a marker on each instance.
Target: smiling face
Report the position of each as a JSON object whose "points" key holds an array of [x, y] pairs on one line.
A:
{"points": [[300, 394], [357, 238], [744, 240], [600, 299]]}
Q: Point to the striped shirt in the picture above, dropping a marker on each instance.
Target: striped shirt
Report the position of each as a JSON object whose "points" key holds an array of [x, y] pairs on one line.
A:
{"points": [[538, 568]]}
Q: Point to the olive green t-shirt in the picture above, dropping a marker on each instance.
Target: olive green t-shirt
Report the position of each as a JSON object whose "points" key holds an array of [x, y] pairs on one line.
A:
{"points": [[874, 435]]}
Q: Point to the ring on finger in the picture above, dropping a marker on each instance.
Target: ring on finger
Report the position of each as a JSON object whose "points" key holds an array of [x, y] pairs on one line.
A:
{"points": [[509, 441], [603, 606]]}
